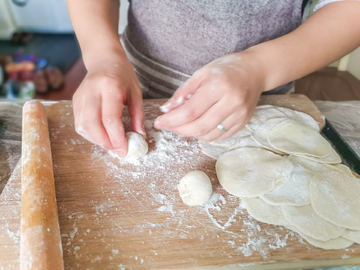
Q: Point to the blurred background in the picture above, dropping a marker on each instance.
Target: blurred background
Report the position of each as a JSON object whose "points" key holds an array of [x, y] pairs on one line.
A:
{"points": [[40, 57]]}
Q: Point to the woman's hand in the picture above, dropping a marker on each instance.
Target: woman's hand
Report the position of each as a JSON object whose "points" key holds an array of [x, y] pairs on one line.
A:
{"points": [[98, 103], [224, 92]]}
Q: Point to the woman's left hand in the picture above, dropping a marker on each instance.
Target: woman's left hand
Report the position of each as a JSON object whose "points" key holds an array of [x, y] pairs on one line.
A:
{"points": [[224, 92]]}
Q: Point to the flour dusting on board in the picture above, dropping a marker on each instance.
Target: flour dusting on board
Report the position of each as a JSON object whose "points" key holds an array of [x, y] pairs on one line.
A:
{"points": [[13, 236], [134, 217], [169, 158]]}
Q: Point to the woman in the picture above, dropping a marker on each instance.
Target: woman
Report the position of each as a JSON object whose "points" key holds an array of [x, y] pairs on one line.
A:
{"points": [[235, 49]]}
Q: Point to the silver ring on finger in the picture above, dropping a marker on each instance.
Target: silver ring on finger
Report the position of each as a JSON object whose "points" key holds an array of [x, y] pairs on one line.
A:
{"points": [[222, 128]]}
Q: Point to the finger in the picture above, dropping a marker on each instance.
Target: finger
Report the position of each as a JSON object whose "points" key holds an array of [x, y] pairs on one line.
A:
{"points": [[111, 118], [211, 136], [136, 112], [88, 123], [216, 134], [189, 111], [185, 91], [230, 132], [232, 124], [238, 118], [207, 122]]}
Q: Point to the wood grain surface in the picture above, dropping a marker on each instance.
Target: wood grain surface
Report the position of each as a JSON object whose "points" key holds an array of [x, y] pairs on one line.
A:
{"points": [[115, 215], [40, 246]]}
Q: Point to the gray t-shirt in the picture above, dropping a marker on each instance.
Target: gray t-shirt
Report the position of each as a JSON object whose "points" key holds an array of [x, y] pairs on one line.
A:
{"points": [[167, 40]]}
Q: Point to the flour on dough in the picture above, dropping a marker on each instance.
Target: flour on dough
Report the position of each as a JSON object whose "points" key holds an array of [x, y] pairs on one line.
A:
{"points": [[352, 235], [211, 150], [309, 165], [335, 197], [137, 146], [273, 169], [215, 151], [264, 212], [337, 243], [300, 117], [239, 172], [305, 220], [262, 114], [332, 158], [344, 169], [245, 142], [291, 137], [296, 191], [195, 188], [261, 132], [233, 140]]}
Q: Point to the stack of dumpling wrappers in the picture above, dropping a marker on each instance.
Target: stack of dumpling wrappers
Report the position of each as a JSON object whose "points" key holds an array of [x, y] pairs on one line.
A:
{"points": [[287, 174]]}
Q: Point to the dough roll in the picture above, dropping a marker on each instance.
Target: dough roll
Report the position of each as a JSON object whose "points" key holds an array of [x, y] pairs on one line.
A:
{"points": [[40, 241]]}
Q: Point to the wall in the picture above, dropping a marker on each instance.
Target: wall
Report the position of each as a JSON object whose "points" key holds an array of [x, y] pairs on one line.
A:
{"points": [[124, 5], [354, 63], [42, 16], [7, 26], [52, 15]]}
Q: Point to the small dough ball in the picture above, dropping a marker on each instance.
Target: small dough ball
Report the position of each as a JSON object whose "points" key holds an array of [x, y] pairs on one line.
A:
{"points": [[137, 146], [195, 188]]}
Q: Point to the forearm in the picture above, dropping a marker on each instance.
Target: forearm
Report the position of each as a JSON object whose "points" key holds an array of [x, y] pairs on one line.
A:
{"points": [[96, 27], [327, 35]]}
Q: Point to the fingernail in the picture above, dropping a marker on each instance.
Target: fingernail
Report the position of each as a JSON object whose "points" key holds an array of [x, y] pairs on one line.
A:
{"points": [[188, 96], [156, 123], [140, 128], [142, 133], [165, 108], [180, 100], [120, 153]]}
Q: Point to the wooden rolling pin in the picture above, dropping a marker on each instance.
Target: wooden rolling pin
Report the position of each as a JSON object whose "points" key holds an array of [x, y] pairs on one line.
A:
{"points": [[40, 241]]}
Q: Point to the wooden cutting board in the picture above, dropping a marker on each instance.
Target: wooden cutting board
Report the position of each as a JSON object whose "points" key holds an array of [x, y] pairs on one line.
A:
{"points": [[123, 216]]}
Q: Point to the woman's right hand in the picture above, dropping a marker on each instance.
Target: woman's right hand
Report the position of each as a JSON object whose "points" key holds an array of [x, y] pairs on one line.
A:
{"points": [[98, 102]]}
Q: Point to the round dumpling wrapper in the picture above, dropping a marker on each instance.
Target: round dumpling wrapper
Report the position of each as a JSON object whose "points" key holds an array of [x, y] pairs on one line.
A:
{"points": [[264, 212], [251, 172], [291, 137], [308, 222], [335, 197]]}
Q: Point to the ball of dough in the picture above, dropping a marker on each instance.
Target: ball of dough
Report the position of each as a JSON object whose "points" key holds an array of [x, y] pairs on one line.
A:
{"points": [[195, 188], [137, 146]]}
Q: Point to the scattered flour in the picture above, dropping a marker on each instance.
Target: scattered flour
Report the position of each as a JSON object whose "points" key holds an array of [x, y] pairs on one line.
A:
{"points": [[166, 208], [77, 141], [213, 203], [73, 233], [168, 159], [115, 251], [14, 236], [256, 241], [97, 258], [279, 243]]}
